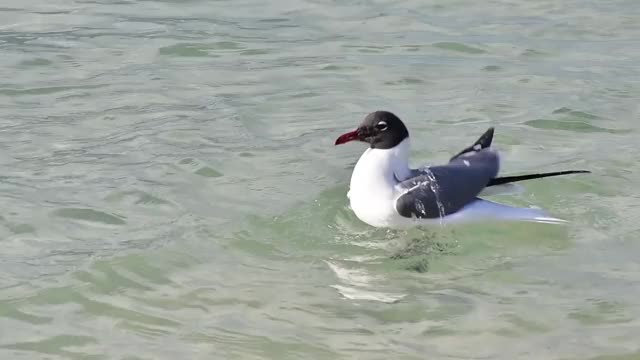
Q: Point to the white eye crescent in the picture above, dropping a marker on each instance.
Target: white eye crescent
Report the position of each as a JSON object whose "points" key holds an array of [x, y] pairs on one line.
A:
{"points": [[382, 126]]}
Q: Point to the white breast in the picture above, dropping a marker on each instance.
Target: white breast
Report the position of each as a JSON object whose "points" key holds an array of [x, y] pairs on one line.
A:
{"points": [[373, 189]]}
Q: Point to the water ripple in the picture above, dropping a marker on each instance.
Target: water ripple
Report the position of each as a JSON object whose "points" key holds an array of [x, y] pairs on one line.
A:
{"points": [[170, 187]]}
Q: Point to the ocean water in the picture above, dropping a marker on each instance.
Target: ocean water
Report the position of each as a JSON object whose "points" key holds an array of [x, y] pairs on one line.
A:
{"points": [[170, 188]]}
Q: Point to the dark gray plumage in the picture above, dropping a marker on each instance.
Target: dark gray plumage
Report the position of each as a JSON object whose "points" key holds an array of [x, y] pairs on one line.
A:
{"points": [[445, 189]]}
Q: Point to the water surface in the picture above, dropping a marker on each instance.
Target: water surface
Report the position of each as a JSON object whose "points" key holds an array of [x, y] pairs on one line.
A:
{"points": [[170, 187]]}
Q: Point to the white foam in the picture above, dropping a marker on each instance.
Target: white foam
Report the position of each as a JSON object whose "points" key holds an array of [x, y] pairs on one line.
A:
{"points": [[359, 294], [357, 277], [358, 280]]}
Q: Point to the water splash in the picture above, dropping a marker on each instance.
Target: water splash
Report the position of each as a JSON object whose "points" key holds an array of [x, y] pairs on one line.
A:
{"points": [[435, 188]]}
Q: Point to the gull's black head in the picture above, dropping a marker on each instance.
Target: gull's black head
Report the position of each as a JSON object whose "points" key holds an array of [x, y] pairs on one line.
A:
{"points": [[380, 129]]}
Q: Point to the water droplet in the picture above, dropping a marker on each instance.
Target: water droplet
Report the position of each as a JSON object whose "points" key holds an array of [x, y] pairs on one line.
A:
{"points": [[435, 188]]}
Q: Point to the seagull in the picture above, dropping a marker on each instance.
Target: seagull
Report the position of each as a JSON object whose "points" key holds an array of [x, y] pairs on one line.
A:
{"points": [[385, 192]]}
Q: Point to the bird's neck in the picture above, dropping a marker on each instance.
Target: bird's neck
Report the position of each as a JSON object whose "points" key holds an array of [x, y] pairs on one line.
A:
{"points": [[388, 164]]}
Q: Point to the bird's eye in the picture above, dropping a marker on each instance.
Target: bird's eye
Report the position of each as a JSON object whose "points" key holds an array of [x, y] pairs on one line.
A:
{"points": [[382, 126]]}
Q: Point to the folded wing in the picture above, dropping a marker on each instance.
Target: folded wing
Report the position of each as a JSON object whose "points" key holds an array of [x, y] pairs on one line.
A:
{"points": [[442, 190]]}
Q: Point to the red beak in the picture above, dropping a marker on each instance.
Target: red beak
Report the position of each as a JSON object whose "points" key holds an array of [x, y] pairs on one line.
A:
{"points": [[345, 138]]}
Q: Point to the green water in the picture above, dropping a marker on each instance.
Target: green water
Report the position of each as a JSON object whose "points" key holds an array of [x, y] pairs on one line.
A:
{"points": [[170, 188]]}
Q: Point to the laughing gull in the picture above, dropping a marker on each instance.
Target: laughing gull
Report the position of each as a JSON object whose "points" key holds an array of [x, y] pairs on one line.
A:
{"points": [[385, 192]]}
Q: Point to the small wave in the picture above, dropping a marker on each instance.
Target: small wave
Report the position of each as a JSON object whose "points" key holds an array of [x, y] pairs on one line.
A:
{"points": [[357, 280], [359, 294]]}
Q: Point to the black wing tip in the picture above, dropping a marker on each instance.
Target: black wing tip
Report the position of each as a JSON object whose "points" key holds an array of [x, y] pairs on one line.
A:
{"points": [[487, 138], [568, 172], [484, 141], [516, 178]]}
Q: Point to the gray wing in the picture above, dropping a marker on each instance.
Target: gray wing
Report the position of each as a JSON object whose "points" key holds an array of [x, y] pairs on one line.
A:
{"points": [[442, 190]]}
